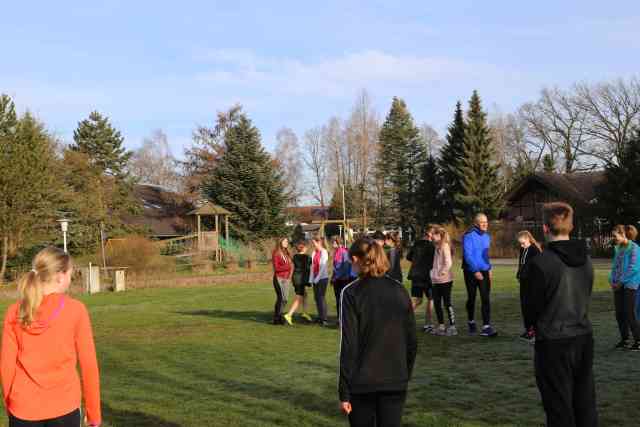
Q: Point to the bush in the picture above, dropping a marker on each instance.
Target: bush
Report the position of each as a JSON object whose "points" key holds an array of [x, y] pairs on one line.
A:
{"points": [[134, 252]]}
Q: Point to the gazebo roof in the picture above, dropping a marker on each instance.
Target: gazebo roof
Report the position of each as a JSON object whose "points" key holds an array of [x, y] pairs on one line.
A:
{"points": [[209, 208]]}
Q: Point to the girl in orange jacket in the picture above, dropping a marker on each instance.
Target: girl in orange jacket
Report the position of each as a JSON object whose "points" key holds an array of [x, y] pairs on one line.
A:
{"points": [[46, 333]]}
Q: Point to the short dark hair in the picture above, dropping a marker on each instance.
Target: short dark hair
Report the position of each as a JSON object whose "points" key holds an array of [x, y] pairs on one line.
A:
{"points": [[378, 235], [558, 216]]}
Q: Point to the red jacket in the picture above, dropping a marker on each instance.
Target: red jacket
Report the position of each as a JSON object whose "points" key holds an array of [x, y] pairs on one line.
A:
{"points": [[281, 265]]}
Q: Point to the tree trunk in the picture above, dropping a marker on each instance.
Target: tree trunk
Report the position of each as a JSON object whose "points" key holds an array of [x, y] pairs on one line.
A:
{"points": [[5, 251]]}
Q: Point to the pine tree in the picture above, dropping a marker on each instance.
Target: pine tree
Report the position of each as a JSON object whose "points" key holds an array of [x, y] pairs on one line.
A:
{"points": [[431, 206], [402, 154], [247, 182], [97, 138], [482, 187], [619, 196], [451, 162]]}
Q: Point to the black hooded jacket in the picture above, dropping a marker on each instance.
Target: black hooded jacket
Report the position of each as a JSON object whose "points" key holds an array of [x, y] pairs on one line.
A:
{"points": [[557, 290], [421, 257]]}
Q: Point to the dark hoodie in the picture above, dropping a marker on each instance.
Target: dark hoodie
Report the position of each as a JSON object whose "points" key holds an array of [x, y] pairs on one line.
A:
{"points": [[557, 291], [421, 257]]}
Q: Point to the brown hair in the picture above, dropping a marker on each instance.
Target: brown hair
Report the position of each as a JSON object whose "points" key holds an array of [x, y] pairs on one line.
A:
{"points": [[46, 264], [444, 236], [558, 216], [526, 234], [372, 260], [629, 231], [281, 250]]}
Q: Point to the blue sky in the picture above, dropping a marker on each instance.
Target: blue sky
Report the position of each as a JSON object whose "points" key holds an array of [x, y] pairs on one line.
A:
{"points": [[172, 65]]}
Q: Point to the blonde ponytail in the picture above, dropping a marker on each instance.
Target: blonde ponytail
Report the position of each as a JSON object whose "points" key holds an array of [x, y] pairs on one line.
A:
{"points": [[46, 264]]}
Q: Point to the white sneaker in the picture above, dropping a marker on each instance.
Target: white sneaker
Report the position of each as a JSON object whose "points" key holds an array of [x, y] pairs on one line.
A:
{"points": [[452, 331], [441, 331]]}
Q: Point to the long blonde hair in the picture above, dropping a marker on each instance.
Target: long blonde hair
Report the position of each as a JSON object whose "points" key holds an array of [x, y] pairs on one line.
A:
{"points": [[445, 237], [527, 235], [47, 263]]}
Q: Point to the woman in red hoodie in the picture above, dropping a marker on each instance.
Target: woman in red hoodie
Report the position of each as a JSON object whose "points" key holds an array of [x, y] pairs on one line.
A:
{"points": [[46, 333], [282, 271]]}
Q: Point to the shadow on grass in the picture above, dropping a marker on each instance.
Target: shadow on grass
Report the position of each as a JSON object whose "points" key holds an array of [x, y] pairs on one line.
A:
{"points": [[255, 316], [124, 418]]}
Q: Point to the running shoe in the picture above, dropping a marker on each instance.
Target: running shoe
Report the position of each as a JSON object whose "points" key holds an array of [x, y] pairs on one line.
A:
{"points": [[488, 331], [288, 318], [634, 347], [441, 331], [452, 331], [306, 317], [427, 329], [473, 328]]}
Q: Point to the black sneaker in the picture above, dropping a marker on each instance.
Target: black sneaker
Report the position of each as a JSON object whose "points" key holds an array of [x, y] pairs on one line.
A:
{"points": [[621, 345], [488, 331], [473, 328], [634, 347]]}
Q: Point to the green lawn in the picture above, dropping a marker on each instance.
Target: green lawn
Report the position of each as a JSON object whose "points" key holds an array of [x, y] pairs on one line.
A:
{"points": [[207, 357]]}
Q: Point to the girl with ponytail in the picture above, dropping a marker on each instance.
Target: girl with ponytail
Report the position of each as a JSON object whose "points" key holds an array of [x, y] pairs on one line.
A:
{"points": [[376, 316], [46, 334]]}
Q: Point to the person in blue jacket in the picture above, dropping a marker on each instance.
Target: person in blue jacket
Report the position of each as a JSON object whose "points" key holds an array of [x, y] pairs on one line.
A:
{"points": [[342, 270], [624, 279], [477, 273]]}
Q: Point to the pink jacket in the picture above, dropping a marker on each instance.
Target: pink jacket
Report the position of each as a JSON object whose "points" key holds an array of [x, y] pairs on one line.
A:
{"points": [[442, 263]]}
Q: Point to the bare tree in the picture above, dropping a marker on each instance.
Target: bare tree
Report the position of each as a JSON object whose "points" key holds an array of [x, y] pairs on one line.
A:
{"points": [[431, 139], [314, 159], [556, 123], [288, 156], [153, 163], [611, 111]]}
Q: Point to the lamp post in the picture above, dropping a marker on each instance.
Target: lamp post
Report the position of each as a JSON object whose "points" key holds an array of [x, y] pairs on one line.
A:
{"points": [[64, 225]]}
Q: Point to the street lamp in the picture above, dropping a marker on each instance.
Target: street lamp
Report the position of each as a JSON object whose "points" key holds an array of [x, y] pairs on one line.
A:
{"points": [[64, 225]]}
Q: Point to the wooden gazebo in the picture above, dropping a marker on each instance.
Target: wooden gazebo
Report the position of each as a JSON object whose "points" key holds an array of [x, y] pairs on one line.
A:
{"points": [[208, 240]]}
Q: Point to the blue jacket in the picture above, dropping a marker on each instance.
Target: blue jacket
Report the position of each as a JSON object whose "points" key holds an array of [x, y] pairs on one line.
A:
{"points": [[475, 251], [625, 269], [342, 265]]}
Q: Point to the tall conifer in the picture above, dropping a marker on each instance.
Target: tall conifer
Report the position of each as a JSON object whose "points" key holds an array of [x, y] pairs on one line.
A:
{"points": [[450, 164]]}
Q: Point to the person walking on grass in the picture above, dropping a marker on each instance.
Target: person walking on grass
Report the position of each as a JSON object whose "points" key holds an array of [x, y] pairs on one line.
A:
{"points": [[421, 258], [442, 280], [301, 279], [557, 290], [320, 278], [378, 343], [624, 279], [282, 270], [394, 244], [477, 274], [529, 249], [341, 270], [45, 335]]}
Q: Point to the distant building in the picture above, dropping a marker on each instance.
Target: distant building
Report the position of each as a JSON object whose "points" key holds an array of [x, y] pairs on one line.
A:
{"points": [[306, 214]]}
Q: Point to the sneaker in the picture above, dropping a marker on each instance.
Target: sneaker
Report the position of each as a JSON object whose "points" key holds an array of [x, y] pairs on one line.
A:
{"points": [[473, 328], [306, 317], [634, 347], [621, 345], [528, 337], [488, 331], [441, 331], [324, 324], [288, 318], [452, 331], [427, 329]]}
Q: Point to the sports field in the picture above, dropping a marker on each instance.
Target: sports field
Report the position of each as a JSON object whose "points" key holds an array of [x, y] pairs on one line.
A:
{"points": [[207, 357]]}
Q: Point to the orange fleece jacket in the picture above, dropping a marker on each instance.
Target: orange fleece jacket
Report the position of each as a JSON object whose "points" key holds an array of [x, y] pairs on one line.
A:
{"points": [[38, 364]]}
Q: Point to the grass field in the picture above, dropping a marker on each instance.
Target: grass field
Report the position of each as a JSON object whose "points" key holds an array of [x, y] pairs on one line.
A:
{"points": [[207, 357]]}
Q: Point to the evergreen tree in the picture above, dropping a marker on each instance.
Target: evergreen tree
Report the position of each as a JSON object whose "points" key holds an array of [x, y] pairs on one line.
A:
{"points": [[619, 196], [482, 187], [247, 182], [103, 144], [431, 205], [549, 163], [8, 118], [451, 162], [402, 154]]}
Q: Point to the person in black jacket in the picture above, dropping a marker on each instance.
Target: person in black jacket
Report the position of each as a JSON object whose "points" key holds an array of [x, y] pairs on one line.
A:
{"points": [[394, 242], [529, 249], [421, 257], [378, 343], [557, 290]]}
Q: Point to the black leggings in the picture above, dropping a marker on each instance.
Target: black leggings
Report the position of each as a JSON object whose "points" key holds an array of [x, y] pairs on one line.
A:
{"points": [[381, 409], [625, 300], [484, 286], [69, 420], [442, 293]]}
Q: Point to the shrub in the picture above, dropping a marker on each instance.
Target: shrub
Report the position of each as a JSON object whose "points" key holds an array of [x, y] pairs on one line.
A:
{"points": [[134, 252]]}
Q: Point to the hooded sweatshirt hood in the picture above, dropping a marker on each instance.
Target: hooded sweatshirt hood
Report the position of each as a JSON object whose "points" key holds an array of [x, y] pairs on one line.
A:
{"points": [[573, 253], [47, 313]]}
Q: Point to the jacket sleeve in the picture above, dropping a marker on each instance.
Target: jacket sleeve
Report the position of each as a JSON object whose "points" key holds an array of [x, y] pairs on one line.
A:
{"points": [[532, 288], [631, 269], [9, 356], [448, 260], [469, 253], [86, 351], [324, 264], [348, 345], [412, 340]]}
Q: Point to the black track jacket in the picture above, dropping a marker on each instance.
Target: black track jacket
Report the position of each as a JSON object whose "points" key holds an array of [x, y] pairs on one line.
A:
{"points": [[378, 342]]}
